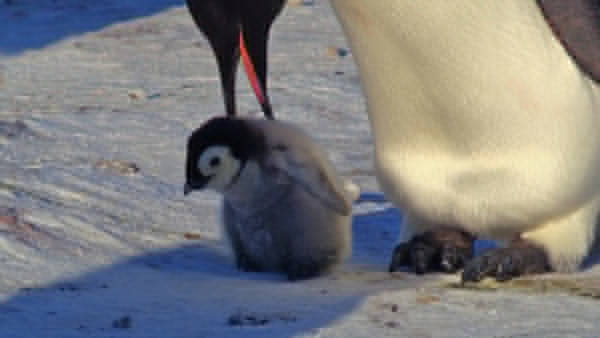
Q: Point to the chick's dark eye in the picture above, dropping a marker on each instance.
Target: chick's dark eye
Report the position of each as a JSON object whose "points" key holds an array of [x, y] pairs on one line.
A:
{"points": [[215, 161]]}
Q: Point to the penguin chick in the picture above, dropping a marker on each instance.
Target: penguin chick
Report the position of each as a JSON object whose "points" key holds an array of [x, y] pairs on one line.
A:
{"points": [[284, 207]]}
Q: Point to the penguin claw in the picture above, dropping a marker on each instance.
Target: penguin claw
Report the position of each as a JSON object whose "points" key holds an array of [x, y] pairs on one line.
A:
{"points": [[504, 264], [441, 250]]}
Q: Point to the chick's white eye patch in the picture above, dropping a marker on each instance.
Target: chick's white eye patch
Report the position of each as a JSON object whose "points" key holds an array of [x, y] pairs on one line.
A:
{"points": [[212, 158]]}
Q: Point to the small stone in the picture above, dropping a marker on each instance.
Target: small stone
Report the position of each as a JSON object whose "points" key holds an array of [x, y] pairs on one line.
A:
{"points": [[298, 3], [391, 324], [192, 236], [122, 323], [234, 320], [250, 319], [14, 129], [427, 299], [136, 94], [117, 167], [337, 51], [69, 287]]}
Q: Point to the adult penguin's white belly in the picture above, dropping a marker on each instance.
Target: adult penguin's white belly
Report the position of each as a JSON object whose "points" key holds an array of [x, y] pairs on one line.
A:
{"points": [[481, 120]]}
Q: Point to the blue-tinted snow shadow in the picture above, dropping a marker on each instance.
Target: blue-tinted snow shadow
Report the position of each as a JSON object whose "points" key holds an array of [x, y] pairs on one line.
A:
{"points": [[190, 291], [201, 286], [34, 24], [593, 260], [193, 291]]}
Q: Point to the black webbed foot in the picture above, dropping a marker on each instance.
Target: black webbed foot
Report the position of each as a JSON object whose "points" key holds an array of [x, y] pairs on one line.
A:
{"points": [[521, 258], [444, 249]]}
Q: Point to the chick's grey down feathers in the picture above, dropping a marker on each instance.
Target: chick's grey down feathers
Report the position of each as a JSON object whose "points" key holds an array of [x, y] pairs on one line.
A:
{"points": [[286, 209]]}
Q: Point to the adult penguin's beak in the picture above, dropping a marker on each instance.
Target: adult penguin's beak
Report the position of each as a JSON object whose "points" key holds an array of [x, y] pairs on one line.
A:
{"points": [[257, 75], [256, 18], [235, 27]]}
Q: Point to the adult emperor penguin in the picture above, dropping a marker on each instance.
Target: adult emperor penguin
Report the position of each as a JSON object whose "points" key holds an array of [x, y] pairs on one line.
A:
{"points": [[485, 124], [484, 115], [233, 27], [284, 207]]}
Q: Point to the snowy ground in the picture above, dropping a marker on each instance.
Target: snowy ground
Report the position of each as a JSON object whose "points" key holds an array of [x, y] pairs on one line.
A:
{"points": [[96, 239]]}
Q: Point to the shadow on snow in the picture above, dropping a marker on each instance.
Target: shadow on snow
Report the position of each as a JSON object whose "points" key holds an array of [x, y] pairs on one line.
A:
{"points": [[34, 24], [195, 291]]}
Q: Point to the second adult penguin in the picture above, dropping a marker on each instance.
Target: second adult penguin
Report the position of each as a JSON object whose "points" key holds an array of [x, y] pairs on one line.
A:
{"points": [[284, 207]]}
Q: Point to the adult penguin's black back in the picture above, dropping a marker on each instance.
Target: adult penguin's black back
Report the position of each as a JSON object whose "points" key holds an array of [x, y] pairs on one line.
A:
{"points": [[576, 23], [233, 27]]}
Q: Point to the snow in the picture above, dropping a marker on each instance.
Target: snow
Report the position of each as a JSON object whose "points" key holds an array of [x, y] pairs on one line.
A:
{"points": [[97, 240]]}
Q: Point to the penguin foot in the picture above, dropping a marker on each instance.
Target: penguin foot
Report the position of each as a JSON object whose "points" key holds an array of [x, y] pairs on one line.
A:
{"points": [[520, 258], [444, 249]]}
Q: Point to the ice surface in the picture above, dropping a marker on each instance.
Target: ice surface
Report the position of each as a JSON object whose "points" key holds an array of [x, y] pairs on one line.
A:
{"points": [[96, 240]]}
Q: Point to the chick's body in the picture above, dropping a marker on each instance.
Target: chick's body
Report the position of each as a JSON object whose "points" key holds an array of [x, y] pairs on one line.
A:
{"points": [[285, 209], [281, 227]]}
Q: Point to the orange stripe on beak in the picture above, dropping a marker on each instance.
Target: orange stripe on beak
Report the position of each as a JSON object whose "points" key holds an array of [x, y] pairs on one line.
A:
{"points": [[250, 71]]}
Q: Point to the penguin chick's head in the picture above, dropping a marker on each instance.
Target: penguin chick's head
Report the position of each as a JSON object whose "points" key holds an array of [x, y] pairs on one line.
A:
{"points": [[218, 151]]}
